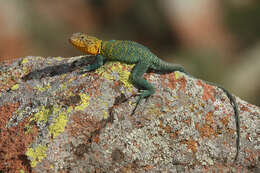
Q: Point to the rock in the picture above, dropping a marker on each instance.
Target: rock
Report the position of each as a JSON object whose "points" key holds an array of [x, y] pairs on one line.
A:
{"points": [[55, 119]]}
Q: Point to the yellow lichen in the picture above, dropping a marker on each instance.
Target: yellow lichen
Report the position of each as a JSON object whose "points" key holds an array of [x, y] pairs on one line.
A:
{"points": [[178, 75], [105, 114], [70, 80], [59, 58], [24, 61], [69, 109], [25, 69], [117, 67], [15, 87], [42, 89], [84, 102], [84, 75], [36, 154], [42, 115], [59, 124]]}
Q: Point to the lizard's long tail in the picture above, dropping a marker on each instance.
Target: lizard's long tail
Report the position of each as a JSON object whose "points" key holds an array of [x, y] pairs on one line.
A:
{"points": [[235, 108]]}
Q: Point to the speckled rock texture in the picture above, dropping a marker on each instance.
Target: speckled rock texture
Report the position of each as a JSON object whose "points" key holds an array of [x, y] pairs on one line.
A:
{"points": [[55, 119]]}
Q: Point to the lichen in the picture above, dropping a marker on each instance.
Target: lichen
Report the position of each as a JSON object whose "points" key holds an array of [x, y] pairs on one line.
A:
{"points": [[84, 102], [105, 114], [59, 124], [36, 154], [42, 89], [15, 87], [177, 75], [24, 61], [42, 115], [116, 67]]}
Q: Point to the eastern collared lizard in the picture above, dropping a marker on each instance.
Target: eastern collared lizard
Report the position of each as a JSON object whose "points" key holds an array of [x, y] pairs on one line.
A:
{"points": [[134, 53]]}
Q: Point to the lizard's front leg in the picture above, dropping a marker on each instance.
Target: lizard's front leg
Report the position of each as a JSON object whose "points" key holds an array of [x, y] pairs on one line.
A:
{"points": [[98, 63], [138, 80]]}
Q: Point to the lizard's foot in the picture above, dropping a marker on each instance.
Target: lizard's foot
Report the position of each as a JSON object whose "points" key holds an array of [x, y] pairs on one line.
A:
{"points": [[142, 95]]}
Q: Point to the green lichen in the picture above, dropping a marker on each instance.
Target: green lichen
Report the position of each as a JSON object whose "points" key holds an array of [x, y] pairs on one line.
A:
{"points": [[36, 154], [84, 102], [116, 67]]}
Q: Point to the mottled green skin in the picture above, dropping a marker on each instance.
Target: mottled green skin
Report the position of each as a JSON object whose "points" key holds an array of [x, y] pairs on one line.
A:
{"points": [[133, 53]]}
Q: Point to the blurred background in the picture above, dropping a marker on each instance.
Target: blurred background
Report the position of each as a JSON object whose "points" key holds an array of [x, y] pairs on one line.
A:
{"points": [[215, 40]]}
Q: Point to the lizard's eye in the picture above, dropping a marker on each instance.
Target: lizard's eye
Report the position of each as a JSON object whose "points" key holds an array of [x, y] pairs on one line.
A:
{"points": [[82, 37]]}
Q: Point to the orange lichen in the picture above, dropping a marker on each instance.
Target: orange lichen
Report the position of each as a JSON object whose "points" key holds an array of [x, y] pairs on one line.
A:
{"points": [[206, 129], [173, 79], [225, 120], [191, 144], [208, 91], [209, 118], [6, 112], [183, 82], [168, 129], [148, 167], [174, 135], [14, 142], [187, 121], [82, 125], [244, 108], [96, 139]]}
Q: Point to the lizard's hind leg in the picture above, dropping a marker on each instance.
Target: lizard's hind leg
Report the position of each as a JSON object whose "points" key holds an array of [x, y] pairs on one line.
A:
{"points": [[138, 80], [163, 66]]}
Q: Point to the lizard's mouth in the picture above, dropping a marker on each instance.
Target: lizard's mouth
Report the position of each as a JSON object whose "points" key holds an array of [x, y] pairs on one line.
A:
{"points": [[74, 42], [77, 45]]}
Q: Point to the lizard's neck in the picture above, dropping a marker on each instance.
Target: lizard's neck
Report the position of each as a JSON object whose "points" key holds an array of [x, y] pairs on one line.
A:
{"points": [[102, 47]]}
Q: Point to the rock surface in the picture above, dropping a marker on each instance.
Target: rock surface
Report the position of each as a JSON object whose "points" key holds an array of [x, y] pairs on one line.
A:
{"points": [[55, 119]]}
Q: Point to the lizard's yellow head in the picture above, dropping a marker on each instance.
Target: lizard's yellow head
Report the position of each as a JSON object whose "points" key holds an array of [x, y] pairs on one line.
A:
{"points": [[85, 43]]}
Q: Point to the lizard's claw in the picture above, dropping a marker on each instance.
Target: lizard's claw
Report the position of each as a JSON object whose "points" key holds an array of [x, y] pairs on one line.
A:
{"points": [[140, 92], [140, 98], [82, 71]]}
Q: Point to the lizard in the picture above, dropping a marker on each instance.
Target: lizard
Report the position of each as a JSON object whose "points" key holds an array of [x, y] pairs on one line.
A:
{"points": [[131, 52]]}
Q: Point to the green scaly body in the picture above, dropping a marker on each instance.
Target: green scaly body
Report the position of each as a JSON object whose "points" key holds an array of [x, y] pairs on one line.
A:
{"points": [[133, 53]]}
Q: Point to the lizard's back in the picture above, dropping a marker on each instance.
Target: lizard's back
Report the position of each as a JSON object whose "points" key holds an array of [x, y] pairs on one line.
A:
{"points": [[126, 51]]}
